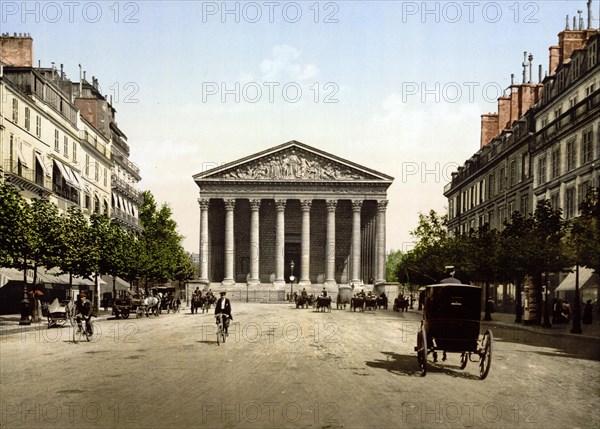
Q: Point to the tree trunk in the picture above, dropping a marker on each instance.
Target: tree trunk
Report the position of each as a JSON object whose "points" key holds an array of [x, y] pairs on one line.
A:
{"points": [[488, 310], [518, 302]]}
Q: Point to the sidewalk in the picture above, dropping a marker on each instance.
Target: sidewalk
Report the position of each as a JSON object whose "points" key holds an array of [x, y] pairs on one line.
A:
{"points": [[507, 320], [9, 323]]}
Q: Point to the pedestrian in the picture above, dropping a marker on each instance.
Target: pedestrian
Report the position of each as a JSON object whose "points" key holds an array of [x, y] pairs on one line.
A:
{"points": [[587, 312]]}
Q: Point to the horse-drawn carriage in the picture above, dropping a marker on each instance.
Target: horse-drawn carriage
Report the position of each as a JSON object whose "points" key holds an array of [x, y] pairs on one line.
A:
{"points": [[168, 302], [58, 312], [451, 322], [323, 303], [400, 304], [128, 304], [136, 304]]}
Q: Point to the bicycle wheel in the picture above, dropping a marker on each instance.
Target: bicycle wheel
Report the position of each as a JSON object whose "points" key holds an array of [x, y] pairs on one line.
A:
{"points": [[77, 333]]}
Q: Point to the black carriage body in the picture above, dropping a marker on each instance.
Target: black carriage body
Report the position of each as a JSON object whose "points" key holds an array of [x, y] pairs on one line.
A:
{"points": [[451, 317]]}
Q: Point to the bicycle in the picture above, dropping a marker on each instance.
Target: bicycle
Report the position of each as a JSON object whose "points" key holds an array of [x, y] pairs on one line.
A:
{"points": [[221, 327], [79, 331]]}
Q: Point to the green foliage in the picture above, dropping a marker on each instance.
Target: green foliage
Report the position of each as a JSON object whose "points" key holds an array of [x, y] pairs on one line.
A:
{"points": [[391, 263], [584, 240], [46, 233], [424, 264], [161, 254], [15, 218]]}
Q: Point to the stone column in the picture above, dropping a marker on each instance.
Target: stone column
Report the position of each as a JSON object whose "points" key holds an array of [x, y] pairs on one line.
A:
{"points": [[279, 243], [254, 243], [380, 254], [204, 203], [229, 242], [330, 249], [356, 208], [305, 243]]}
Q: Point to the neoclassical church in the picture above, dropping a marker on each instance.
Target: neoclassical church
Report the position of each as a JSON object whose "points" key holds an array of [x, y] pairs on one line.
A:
{"points": [[292, 210]]}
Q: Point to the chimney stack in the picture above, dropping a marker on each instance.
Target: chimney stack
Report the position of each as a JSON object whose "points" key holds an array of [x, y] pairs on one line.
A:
{"points": [[589, 20], [16, 51]]}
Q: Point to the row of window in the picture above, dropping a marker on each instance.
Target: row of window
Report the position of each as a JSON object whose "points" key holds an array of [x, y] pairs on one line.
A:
{"points": [[562, 162], [573, 197], [572, 101], [66, 144]]}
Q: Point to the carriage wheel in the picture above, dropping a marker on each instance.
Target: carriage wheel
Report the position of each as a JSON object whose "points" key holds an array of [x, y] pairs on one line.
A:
{"points": [[485, 356], [464, 359], [422, 351]]}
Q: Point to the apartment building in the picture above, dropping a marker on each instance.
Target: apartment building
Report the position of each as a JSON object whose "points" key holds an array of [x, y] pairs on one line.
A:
{"points": [[544, 142], [59, 138]]}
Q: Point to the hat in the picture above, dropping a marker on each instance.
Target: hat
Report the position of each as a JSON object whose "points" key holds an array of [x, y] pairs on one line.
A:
{"points": [[84, 293], [223, 293]]}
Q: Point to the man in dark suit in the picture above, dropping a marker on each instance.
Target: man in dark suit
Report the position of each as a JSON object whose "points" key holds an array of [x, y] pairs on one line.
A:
{"points": [[223, 306]]}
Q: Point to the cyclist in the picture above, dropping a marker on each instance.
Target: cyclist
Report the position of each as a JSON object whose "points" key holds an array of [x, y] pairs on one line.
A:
{"points": [[83, 311], [223, 306]]}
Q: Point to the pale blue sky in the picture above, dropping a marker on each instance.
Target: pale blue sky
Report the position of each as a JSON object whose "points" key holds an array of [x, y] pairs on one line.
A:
{"points": [[377, 58]]}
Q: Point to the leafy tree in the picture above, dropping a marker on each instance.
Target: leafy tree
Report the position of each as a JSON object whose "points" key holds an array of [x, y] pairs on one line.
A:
{"points": [[14, 226], [159, 244], [515, 252], [584, 239], [584, 245], [549, 253], [391, 265], [424, 263], [481, 262], [78, 254], [46, 234]]}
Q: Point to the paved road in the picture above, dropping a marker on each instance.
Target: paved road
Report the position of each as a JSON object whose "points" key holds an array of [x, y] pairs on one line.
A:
{"points": [[283, 367]]}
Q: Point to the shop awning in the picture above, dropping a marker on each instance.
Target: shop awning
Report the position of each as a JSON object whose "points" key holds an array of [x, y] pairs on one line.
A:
{"points": [[120, 284], [587, 280]]}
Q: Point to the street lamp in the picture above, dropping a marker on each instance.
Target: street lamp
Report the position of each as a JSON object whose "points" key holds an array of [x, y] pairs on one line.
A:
{"points": [[292, 265]]}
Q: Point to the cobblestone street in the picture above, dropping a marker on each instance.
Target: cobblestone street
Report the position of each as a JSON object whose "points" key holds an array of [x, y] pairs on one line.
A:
{"points": [[287, 367]]}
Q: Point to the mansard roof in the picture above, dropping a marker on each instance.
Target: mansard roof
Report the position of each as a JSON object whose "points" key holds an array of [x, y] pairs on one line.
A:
{"points": [[295, 162]]}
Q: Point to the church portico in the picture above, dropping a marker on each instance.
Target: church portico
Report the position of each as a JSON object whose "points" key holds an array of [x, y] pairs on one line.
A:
{"points": [[292, 210]]}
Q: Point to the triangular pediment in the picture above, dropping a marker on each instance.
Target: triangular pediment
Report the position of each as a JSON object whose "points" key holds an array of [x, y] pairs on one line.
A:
{"points": [[293, 161]]}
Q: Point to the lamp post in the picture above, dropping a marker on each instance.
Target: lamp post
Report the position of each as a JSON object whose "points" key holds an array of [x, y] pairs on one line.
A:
{"points": [[292, 265]]}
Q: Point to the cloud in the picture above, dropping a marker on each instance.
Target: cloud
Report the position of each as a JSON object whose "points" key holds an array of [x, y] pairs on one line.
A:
{"points": [[284, 65]]}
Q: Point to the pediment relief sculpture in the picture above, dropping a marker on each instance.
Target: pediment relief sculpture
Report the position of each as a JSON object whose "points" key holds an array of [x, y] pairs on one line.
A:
{"points": [[294, 165]]}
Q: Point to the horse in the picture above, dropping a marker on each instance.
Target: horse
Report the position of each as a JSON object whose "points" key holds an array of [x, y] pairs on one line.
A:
{"points": [[301, 301], [152, 304], [197, 302], [208, 301], [400, 304], [382, 302]]}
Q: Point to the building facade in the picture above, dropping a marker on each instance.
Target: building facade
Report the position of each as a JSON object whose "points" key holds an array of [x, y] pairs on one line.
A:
{"points": [[59, 139], [548, 149], [544, 143], [289, 212]]}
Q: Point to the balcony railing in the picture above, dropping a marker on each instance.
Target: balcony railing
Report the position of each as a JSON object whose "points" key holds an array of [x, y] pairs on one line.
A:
{"points": [[568, 118], [125, 217], [26, 177], [94, 142], [123, 160], [124, 186]]}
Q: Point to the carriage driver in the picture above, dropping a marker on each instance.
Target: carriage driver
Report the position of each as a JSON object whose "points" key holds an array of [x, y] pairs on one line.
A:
{"points": [[450, 275], [83, 310], [224, 306]]}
